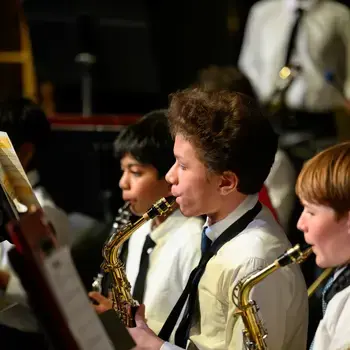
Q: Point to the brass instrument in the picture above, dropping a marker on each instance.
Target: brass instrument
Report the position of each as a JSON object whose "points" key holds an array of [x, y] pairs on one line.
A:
{"points": [[122, 218], [123, 302], [254, 333], [286, 77]]}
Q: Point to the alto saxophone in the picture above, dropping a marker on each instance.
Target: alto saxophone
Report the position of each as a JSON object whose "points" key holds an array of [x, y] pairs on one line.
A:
{"points": [[123, 302], [254, 333], [122, 218]]}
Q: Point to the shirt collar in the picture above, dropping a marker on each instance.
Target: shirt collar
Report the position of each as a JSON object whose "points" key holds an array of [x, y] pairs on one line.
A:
{"points": [[215, 230], [33, 177], [302, 4], [339, 270]]}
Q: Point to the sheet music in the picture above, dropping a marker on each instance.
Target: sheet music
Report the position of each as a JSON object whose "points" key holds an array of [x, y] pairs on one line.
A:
{"points": [[13, 178], [74, 303]]}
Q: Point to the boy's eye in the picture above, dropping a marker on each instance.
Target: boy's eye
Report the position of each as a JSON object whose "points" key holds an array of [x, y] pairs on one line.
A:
{"points": [[136, 173], [183, 167], [309, 212]]}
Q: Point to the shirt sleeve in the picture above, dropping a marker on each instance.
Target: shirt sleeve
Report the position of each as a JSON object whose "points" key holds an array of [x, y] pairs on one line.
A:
{"points": [[14, 291], [269, 295], [280, 186], [248, 59]]}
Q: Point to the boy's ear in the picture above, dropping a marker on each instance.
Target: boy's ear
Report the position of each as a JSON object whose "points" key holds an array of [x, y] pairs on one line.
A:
{"points": [[348, 222], [228, 183]]}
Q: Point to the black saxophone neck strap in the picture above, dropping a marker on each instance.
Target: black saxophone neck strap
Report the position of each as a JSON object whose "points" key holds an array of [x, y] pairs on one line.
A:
{"points": [[190, 290]]}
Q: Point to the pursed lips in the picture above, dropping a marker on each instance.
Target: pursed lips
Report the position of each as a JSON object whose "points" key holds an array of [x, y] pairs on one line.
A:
{"points": [[128, 199], [173, 193]]}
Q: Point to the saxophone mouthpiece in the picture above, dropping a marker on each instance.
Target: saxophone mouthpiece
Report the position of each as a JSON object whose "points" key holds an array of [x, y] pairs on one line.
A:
{"points": [[161, 207], [171, 200], [307, 251], [294, 255]]}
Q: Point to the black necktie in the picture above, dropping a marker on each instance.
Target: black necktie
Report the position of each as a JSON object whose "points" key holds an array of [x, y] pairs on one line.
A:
{"points": [[293, 36], [139, 288], [182, 332], [190, 291]]}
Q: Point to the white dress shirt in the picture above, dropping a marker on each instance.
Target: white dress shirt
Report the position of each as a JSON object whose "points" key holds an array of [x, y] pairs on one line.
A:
{"points": [[333, 331], [175, 255], [281, 297], [17, 314], [280, 186], [322, 45]]}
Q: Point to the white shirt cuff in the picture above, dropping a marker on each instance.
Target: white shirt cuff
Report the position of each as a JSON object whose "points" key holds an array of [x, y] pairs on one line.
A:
{"points": [[168, 346]]}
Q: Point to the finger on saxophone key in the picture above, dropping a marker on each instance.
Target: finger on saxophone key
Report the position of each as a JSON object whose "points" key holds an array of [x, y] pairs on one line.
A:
{"points": [[103, 303]]}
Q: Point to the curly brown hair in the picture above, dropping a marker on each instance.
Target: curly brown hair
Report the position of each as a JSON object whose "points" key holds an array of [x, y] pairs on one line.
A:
{"points": [[228, 132]]}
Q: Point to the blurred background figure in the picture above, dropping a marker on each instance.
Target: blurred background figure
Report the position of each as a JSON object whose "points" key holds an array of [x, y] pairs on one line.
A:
{"points": [[29, 131], [296, 55]]}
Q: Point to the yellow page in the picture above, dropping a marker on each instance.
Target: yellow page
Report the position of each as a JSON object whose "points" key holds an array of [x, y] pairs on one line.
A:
{"points": [[13, 177]]}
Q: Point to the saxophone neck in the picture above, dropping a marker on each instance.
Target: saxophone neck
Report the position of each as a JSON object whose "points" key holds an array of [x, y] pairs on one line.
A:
{"points": [[251, 280], [293, 255], [120, 236], [161, 207]]}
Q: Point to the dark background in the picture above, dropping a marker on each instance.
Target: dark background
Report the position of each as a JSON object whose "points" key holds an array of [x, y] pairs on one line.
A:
{"points": [[144, 50]]}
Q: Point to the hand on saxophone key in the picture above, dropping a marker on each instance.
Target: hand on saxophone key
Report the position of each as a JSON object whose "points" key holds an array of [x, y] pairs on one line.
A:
{"points": [[103, 303], [143, 336]]}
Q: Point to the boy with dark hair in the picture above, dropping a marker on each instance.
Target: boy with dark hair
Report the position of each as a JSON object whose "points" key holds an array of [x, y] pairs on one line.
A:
{"points": [[29, 131], [149, 143], [170, 245], [224, 149]]}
